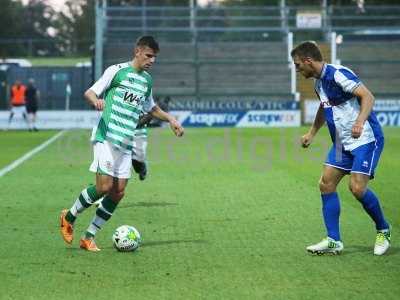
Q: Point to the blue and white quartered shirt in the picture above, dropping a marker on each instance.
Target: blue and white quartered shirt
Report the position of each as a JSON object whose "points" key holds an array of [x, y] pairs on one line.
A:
{"points": [[335, 90]]}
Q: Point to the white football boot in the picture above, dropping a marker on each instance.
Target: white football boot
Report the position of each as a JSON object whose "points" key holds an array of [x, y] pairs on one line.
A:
{"points": [[326, 246], [382, 242]]}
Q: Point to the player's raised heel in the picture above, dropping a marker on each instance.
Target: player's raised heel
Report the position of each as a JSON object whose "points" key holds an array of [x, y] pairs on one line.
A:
{"points": [[66, 228], [88, 244], [326, 246], [382, 242]]}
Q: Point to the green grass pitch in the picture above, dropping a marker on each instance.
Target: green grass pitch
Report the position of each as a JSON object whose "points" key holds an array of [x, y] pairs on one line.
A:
{"points": [[224, 214]]}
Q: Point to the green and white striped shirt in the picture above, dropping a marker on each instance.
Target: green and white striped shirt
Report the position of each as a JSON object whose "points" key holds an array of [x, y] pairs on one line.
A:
{"points": [[142, 132], [127, 93]]}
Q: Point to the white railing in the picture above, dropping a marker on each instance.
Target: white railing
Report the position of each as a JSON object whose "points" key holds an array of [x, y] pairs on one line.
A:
{"points": [[293, 76]]}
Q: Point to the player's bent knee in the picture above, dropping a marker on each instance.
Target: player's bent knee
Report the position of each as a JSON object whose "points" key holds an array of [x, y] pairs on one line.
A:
{"points": [[117, 196], [121, 195], [326, 187], [104, 188], [357, 190]]}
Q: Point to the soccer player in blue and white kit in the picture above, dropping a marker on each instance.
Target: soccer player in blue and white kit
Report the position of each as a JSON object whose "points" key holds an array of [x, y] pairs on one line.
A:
{"points": [[346, 106]]}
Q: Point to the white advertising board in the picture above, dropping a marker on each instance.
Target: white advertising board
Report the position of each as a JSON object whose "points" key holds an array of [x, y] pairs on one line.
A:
{"points": [[83, 119]]}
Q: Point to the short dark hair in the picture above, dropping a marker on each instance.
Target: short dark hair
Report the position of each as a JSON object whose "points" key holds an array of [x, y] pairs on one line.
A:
{"points": [[149, 41], [307, 49]]}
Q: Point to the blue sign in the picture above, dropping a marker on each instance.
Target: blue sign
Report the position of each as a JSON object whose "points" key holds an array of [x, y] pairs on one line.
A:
{"points": [[251, 118], [213, 119], [388, 118], [268, 118]]}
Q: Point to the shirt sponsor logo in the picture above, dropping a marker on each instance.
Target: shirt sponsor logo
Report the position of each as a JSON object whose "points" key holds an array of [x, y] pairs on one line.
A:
{"points": [[131, 98], [325, 104]]}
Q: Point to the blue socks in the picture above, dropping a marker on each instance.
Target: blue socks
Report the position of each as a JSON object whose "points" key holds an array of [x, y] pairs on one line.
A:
{"points": [[331, 213], [371, 205]]}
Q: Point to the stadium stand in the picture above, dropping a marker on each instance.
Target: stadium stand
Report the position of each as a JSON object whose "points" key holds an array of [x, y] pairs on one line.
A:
{"points": [[376, 62]]}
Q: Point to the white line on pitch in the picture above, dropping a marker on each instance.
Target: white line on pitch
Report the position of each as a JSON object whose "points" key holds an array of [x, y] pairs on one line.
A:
{"points": [[31, 153]]}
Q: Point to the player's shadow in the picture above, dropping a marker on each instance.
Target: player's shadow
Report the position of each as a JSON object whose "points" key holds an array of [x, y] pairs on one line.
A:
{"points": [[369, 250], [147, 204], [164, 243]]}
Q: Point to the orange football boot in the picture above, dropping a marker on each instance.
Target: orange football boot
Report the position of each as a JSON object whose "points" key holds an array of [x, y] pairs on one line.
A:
{"points": [[66, 228], [88, 244]]}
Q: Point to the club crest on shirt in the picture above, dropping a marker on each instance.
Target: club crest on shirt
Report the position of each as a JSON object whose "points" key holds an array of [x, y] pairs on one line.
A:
{"points": [[109, 165]]}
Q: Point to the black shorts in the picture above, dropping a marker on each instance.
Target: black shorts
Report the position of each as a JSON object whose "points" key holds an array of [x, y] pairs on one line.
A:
{"points": [[31, 109]]}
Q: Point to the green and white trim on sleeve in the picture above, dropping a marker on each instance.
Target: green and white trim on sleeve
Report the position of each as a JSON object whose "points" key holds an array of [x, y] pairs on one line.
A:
{"points": [[127, 93]]}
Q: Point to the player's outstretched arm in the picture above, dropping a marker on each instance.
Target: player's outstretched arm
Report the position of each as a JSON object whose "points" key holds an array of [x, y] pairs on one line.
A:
{"points": [[319, 120], [93, 100], [366, 102], [176, 127]]}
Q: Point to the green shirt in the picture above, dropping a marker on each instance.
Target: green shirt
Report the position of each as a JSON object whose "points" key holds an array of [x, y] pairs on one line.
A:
{"points": [[127, 92]]}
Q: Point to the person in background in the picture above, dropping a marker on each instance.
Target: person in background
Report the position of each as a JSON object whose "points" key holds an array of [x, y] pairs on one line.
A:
{"points": [[360, 6], [32, 95], [17, 101]]}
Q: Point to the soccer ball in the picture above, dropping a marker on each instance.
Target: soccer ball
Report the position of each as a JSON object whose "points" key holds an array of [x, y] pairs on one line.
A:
{"points": [[126, 238]]}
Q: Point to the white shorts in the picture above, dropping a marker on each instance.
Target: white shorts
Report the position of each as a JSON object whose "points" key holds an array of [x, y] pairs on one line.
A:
{"points": [[139, 148], [109, 160], [18, 109]]}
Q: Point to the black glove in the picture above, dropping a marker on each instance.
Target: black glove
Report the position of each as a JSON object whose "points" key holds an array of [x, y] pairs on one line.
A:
{"points": [[144, 121], [140, 168]]}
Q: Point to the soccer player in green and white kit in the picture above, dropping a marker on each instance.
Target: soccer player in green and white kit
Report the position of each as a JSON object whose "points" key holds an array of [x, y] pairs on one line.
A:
{"points": [[127, 89]]}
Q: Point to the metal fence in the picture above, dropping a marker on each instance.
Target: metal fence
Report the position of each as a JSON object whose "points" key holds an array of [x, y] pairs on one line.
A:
{"points": [[204, 52], [227, 51], [52, 83], [375, 58]]}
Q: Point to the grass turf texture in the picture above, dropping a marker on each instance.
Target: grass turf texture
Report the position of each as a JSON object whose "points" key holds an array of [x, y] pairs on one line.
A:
{"points": [[224, 214], [14, 143]]}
